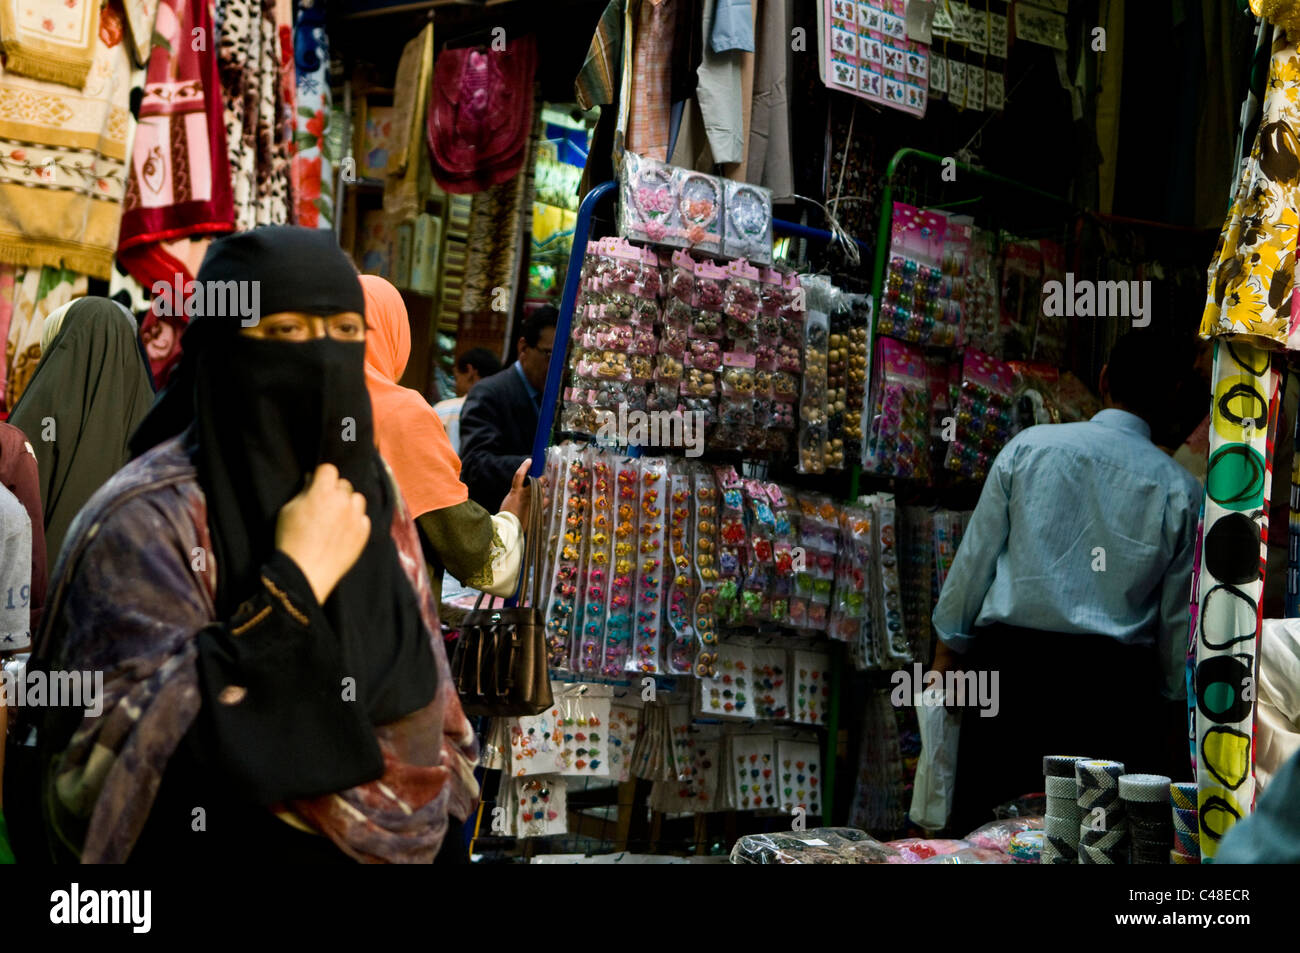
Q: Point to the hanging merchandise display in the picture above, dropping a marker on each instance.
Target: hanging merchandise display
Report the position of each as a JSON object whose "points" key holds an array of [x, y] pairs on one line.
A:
{"points": [[1244, 412], [867, 53]]}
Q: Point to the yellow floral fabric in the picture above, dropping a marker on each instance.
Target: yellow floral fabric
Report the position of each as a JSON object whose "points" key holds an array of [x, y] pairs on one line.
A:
{"points": [[1252, 274]]}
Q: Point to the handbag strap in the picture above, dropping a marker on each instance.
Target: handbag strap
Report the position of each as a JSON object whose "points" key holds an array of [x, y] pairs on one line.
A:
{"points": [[533, 542]]}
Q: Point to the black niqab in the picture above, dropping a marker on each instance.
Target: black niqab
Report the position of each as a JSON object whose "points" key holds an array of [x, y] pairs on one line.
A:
{"points": [[260, 416]]}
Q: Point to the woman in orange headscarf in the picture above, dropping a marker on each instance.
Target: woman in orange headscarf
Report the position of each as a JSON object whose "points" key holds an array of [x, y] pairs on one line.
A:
{"points": [[475, 546]]}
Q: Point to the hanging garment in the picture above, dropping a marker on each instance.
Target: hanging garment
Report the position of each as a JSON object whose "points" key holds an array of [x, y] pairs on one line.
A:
{"points": [[481, 114], [93, 385], [51, 40], [64, 170], [1251, 277], [769, 162], [652, 62], [402, 184], [249, 57], [597, 80], [720, 100], [179, 179], [37, 292], [312, 172], [160, 334], [733, 27]]}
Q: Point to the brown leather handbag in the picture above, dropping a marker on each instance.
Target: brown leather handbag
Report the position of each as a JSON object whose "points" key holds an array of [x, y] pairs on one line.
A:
{"points": [[500, 660]]}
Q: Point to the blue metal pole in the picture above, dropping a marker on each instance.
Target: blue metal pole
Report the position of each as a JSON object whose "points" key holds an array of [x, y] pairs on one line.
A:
{"points": [[560, 352]]}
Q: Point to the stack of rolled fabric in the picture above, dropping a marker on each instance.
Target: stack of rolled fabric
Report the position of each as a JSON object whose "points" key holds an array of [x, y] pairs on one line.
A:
{"points": [[1103, 828], [1151, 829], [1061, 825], [1186, 824]]}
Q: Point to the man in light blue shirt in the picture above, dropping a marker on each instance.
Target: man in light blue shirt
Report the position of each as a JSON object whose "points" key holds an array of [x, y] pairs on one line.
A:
{"points": [[1072, 582]]}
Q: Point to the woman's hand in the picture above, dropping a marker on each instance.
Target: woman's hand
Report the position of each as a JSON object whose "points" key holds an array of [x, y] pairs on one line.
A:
{"points": [[518, 499], [324, 529]]}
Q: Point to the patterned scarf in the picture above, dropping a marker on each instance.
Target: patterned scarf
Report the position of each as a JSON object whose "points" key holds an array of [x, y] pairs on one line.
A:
{"points": [[103, 783]]}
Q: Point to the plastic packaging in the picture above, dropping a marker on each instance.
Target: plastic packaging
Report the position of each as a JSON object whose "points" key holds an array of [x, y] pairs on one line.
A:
{"points": [[749, 222], [821, 845]]}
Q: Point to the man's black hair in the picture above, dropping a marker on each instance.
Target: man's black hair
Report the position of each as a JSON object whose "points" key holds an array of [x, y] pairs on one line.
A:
{"points": [[481, 359], [1142, 374], [531, 330]]}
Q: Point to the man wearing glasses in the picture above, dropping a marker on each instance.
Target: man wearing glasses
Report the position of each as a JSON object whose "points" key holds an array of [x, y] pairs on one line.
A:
{"points": [[499, 418]]}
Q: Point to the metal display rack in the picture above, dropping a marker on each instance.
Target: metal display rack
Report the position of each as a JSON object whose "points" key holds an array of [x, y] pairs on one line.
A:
{"points": [[551, 395]]}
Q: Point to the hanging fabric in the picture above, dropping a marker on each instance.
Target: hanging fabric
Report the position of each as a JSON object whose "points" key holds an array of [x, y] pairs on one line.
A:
{"points": [[140, 18], [179, 179], [51, 40], [257, 140], [1251, 276], [414, 70], [481, 114], [63, 155], [312, 172]]}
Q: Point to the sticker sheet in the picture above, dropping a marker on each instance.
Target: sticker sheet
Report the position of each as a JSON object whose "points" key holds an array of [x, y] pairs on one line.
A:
{"points": [[1233, 555], [869, 55]]}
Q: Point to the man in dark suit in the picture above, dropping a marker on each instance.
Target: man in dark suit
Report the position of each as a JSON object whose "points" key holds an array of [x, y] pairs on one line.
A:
{"points": [[499, 418]]}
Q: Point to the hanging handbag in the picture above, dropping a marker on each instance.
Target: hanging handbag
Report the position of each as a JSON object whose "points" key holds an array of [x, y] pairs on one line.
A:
{"points": [[499, 665]]}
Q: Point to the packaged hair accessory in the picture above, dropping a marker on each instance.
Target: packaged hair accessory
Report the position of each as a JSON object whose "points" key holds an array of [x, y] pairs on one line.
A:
{"points": [[800, 765], [611, 658], [682, 589], [596, 587], [543, 810], [707, 499], [730, 693], [771, 683], [731, 544], [700, 200], [812, 687], [891, 625], [898, 442], [562, 609], [813, 405], [749, 222], [650, 569], [851, 587], [582, 729], [759, 558], [648, 209], [984, 418]]}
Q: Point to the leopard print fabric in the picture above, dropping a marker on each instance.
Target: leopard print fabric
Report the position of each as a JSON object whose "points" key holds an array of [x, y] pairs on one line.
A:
{"points": [[258, 139]]}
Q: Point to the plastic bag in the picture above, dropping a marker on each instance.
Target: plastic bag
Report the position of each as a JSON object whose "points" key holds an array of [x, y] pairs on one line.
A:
{"points": [[971, 855], [915, 850], [996, 835], [821, 845], [936, 769]]}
